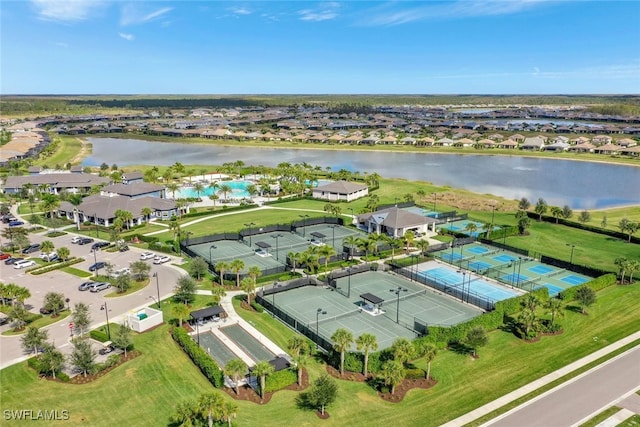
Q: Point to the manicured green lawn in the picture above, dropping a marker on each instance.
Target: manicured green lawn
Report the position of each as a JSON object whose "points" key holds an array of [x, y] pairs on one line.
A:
{"points": [[601, 417], [135, 287], [45, 320], [68, 148], [77, 272]]}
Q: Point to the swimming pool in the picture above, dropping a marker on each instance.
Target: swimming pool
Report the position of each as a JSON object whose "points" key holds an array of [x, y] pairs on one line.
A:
{"points": [[238, 190]]}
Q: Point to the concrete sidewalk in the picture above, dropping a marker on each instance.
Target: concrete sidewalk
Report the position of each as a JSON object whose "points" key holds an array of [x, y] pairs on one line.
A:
{"points": [[534, 385]]}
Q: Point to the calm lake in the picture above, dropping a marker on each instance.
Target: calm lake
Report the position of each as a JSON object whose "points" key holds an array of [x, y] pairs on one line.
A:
{"points": [[581, 185]]}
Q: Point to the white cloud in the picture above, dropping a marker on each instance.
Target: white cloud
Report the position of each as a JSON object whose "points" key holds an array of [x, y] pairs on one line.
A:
{"points": [[240, 10], [133, 14], [619, 71], [62, 44], [126, 36], [396, 13], [65, 10], [324, 12]]}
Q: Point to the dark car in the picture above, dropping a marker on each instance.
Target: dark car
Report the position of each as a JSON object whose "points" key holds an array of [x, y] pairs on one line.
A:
{"points": [[106, 349], [15, 223], [85, 286], [98, 265], [12, 260], [99, 245], [4, 319], [31, 248], [124, 248], [85, 241]]}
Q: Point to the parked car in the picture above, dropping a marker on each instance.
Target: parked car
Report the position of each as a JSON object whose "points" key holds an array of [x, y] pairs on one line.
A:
{"points": [[121, 272], [161, 260], [99, 245], [4, 256], [25, 263], [99, 286], [123, 248], [76, 239], [12, 260], [49, 257], [4, 319], [97, 266], [45, 310], [147, 255], [15, 223], [107, 348], [85, 240], [31, 248], [85, 286]]}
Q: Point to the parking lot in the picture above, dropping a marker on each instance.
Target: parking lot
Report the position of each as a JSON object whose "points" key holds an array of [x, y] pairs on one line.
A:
{"points": [[67, 284]]}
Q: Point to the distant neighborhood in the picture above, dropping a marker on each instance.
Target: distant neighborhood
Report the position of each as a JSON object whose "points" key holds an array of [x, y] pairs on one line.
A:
{"points": [[524, 128]]}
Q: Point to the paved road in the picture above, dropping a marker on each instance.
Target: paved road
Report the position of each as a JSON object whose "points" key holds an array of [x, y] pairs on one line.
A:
{"points": [[575, 400], [57, 281]]}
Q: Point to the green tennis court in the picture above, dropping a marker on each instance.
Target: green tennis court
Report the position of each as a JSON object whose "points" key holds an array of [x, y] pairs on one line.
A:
{"points": [[252, 347], [326, 309]]}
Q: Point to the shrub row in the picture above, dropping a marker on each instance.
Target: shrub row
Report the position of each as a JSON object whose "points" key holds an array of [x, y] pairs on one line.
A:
{"points": [[257, 307], [199, 357], [513, 305], [55, 266], [444, 335], [596, 284], [99, 335], [279, 380], [34, 363]]}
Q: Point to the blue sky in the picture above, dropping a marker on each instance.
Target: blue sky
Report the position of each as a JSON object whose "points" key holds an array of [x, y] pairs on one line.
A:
{"points": [[308, 47]]}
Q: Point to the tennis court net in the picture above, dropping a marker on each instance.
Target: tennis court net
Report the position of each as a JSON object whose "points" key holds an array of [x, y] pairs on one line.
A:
{"points": [[339, 316], [556, 273], [236, 256]]}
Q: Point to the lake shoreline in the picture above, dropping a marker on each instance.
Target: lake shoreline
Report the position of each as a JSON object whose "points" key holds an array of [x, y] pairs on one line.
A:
{"points": [[391, 149]]}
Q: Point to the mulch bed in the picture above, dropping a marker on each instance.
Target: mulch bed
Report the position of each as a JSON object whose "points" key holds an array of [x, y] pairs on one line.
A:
{"points": [[247, 393], [400, 391], [551, 334], [80, 379], [321, 416]]}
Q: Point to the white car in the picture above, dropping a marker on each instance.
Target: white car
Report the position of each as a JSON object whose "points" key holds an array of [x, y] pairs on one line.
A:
{"points": [[147, 255], [25, 263], [76, 239], [161, 259], [121, 272]]}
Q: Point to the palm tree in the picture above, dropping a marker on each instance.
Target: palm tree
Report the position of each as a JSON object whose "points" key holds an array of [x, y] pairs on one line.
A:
{"points": [[181, 311], [300, 350], [248, 285], [210, 404], [228, 412], [394, 243], [64, 253], [402, 350], [392, 373], [633, 266], [556, 212], [342, 340], [146, 212], [428, 351], [236, 266], [423, 245], [47, 247], [294, 257], [254, 272], [367, 246], [262, 369], [198, 187], [234, 369], [214, 186], [326, 252], [21, 294], [409, 237], [225, 189], [471, 228], [556, 309], [75, 200], [351, 242], [366, 343], [221, 267], [50, 203], [621, 263], [173, 187]]}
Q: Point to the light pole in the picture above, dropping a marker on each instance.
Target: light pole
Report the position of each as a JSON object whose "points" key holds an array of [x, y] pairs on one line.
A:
{"points": [[318, 313], [352, 215], [464, 276], [95, 220], [157, 287], [106, 312], [435, 197], [304, 224], [451, 256], [349, 283], [493, 214], [210, 259], [249, 225], [277, 237], [519, 266], [398, 291], [572, 246], [333, 234]]}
